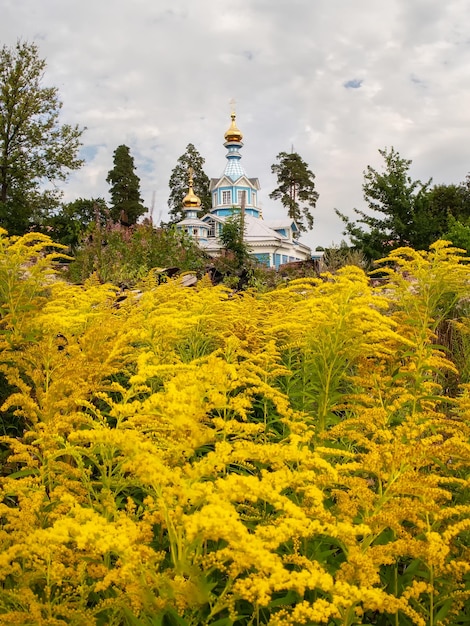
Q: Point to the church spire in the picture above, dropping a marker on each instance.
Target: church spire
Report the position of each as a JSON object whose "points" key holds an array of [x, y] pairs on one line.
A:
{"points": [[233, 142], [234, 189], [191, 201]]}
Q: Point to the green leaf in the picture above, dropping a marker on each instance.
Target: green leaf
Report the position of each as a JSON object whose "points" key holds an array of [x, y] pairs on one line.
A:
{"points": [[441, 614], [28, 471], [290, 597]]}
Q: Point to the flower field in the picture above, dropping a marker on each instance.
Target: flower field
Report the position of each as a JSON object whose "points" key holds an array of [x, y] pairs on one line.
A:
{"points": [[191, 456]]}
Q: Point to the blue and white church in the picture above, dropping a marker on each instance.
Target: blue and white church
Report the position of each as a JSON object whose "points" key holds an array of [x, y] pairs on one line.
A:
{"points": [[270, 242]]}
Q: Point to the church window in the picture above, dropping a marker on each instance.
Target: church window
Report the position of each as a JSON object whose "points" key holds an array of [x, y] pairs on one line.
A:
{"points": [[211, 225], [253, 199], [226, 197], [240, 197]]}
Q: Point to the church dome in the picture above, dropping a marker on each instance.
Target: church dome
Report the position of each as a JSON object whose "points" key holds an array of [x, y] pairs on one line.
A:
{"points": [[233, 133], [191, 201]]}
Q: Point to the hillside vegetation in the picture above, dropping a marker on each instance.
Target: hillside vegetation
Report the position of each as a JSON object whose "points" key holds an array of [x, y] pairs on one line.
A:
{"points": [[191, 456]]}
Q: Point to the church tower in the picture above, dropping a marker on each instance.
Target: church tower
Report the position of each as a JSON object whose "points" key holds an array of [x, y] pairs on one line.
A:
{"points": [[233, 187], [191, 224]]}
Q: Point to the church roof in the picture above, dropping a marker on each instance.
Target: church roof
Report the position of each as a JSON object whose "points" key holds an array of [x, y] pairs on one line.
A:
{"points": [[285, 223], [213, 216], [211, 245], [257, 230], [234, 169], [224, 181], [192, 221]]}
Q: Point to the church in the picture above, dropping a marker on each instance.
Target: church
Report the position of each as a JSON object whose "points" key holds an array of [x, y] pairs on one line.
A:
{"points": [[272, 243]]}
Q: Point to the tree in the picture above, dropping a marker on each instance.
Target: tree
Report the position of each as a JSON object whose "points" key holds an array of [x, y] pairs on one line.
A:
{"points": [[296, 186], [179, 183], [126, 203], [449, 201], [458, 234], [401, 210], [34, 148], [232, 238], [455, 199], [70, 223]]}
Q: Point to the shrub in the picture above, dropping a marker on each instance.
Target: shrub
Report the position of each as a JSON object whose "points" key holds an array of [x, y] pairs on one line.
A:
{"points": [[123, 255], [198, 457]]}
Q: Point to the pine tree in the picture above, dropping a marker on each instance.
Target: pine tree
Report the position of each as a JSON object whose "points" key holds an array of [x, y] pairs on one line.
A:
{"points": [[296, 187], [179, 183], [126, 203], [34, 147]]}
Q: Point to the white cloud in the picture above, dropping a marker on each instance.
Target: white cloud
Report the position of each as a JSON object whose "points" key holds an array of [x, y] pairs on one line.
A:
{"points": [[157, 76]]}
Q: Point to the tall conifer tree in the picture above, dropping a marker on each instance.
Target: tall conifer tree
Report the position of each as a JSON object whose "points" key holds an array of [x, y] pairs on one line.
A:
{"points": [[126, 203], [179, 183], [296, 187]]}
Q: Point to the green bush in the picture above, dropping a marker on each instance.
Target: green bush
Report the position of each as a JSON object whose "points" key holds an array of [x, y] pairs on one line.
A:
{"points": [[122, 255]]}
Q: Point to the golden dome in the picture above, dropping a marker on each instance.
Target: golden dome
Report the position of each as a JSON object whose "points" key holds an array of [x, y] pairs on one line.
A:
{"points": [[233, 133], [191, 200]]}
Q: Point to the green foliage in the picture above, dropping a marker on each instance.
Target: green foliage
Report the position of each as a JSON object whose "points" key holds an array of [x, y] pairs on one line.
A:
{"points": [[232, 238], [448, 201], [122, 255], [34, 148], [126, 203], [459, 234], [201, 458], [399, 204], [27, 265], [442, 206], [340, 256], [27, 268], [71, 222], [296, 187], [179, 183], [405, 212]]}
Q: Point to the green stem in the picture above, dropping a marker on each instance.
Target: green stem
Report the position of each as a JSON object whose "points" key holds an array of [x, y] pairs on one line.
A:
{"points": [[431, 598], [349, 617], [396, 590]]}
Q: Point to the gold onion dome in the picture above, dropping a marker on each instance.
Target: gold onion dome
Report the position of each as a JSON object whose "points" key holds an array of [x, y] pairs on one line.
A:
{"points": [[190, 199], [233, 133]]}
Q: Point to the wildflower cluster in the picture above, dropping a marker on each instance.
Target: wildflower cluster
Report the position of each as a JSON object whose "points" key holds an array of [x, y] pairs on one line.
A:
{"points": [[191, 456]]}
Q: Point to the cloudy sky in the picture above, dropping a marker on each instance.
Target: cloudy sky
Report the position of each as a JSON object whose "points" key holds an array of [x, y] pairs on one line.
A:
{"points": [[335, 79]]}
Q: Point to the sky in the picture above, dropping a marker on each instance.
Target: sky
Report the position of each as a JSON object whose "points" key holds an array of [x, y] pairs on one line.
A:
{"points": [[335, 80]]}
